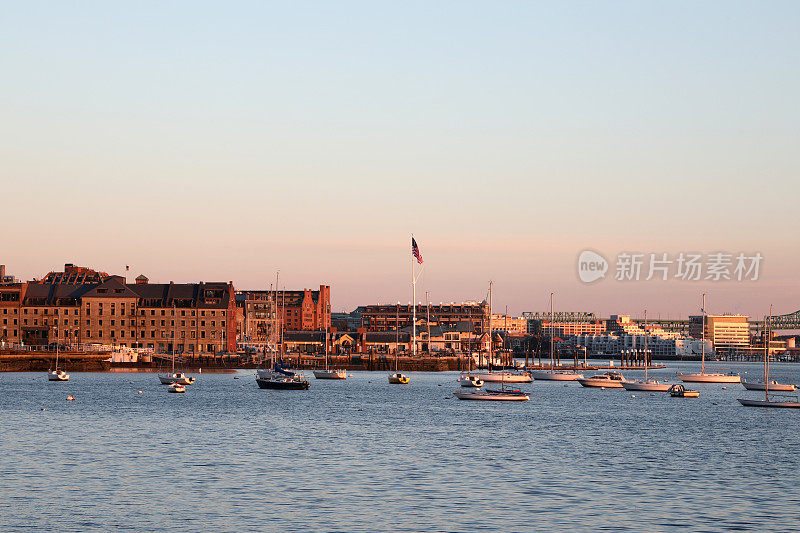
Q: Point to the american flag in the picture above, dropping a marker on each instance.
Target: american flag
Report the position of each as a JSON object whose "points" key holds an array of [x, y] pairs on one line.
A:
{"points": [[415, 251]]}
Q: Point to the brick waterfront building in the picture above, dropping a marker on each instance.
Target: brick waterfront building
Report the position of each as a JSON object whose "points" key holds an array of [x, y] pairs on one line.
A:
{"points": [[81, 306], [302, 310], [391, 317]]}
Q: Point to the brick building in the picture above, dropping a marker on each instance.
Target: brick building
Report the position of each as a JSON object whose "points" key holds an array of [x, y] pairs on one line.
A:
{"points": [[72, 308], [303, 310], [389, 317]]}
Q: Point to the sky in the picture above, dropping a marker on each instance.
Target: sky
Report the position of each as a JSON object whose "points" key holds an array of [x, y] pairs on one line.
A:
{"points": [[225, 141]]}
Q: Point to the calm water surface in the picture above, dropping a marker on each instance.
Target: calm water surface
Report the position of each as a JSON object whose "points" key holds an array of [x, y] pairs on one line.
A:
{"points": [[362, 455]]}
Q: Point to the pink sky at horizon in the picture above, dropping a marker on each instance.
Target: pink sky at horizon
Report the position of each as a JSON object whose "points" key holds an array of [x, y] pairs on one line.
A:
{"points": [[208, 144]]}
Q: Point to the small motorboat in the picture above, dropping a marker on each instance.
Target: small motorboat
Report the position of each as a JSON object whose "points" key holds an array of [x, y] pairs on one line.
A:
{"points": [[606, 380], [57, 375], [332, 373], [468, 380], [175, 377], [679, 391], [176, 388], [398, 379], [773, 386], [503, 395]]}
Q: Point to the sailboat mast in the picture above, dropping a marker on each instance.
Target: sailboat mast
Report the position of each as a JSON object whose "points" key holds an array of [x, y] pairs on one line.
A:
{"points": [[428, 319], [505, 328], [766, 356], [491, 343], [173, 335], [552, 331], [645, 346], [703, 327]]}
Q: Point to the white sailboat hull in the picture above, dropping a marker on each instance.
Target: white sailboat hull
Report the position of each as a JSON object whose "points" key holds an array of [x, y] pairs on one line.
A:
{"points": [[555, 375], [713, 377], [498, 377], [57, 375], [600, 383], [771, 403], [180, 379], [470, 381], [650, 385], [330, 374], [773, 386], [491, 396]]}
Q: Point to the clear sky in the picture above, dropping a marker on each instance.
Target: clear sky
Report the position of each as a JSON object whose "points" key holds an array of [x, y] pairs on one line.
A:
{"points": [[222, 141]]}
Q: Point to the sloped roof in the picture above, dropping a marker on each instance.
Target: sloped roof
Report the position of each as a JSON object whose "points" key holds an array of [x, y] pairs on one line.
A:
{"points": [[111, 288]]}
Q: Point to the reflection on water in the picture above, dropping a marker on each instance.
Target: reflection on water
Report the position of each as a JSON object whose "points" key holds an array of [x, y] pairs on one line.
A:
{"points": [[364, 455]]}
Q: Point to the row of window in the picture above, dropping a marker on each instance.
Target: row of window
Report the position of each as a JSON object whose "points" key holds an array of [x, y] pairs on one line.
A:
{"points": [[164, 334]]}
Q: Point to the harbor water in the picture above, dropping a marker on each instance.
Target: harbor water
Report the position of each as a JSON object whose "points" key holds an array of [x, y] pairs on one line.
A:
{"points": [[363, 455]]}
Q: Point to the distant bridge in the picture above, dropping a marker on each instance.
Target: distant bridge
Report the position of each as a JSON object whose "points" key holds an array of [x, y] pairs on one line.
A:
{"points": [[789, 321]]}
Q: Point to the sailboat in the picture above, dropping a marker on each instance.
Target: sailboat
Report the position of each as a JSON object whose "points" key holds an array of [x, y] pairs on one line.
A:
{"points": [[329, 373], [175, 377], [771, 385], [497, 395], [770, 400], [467, 379], [703, 376], [553, 374], [398, 378], [279, 377], [652, 385], [503, 375], [57, 375]]}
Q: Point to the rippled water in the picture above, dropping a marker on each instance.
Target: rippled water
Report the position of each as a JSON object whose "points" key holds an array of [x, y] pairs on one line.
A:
{"points": [[362, 455]]}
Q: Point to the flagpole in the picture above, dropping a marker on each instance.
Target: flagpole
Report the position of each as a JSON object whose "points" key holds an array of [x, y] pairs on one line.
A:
{"points": [[413, 305]]}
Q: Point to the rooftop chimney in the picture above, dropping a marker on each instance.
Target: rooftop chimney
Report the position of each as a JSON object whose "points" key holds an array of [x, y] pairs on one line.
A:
{"points": [[2, 272]]}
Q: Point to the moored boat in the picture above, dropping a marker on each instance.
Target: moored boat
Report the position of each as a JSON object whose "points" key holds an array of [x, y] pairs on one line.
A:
{"points": [[176, 388], [296, 382], [773, 386], [679, 391], [703, 376], [398, 379], [770, 400], [330, 374], [555, 375], [770, 403], [608, 380], [503, 376], [467, 380], [650, 385], [175, 377], [710, 377], [57, 375], [506, 395]]}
